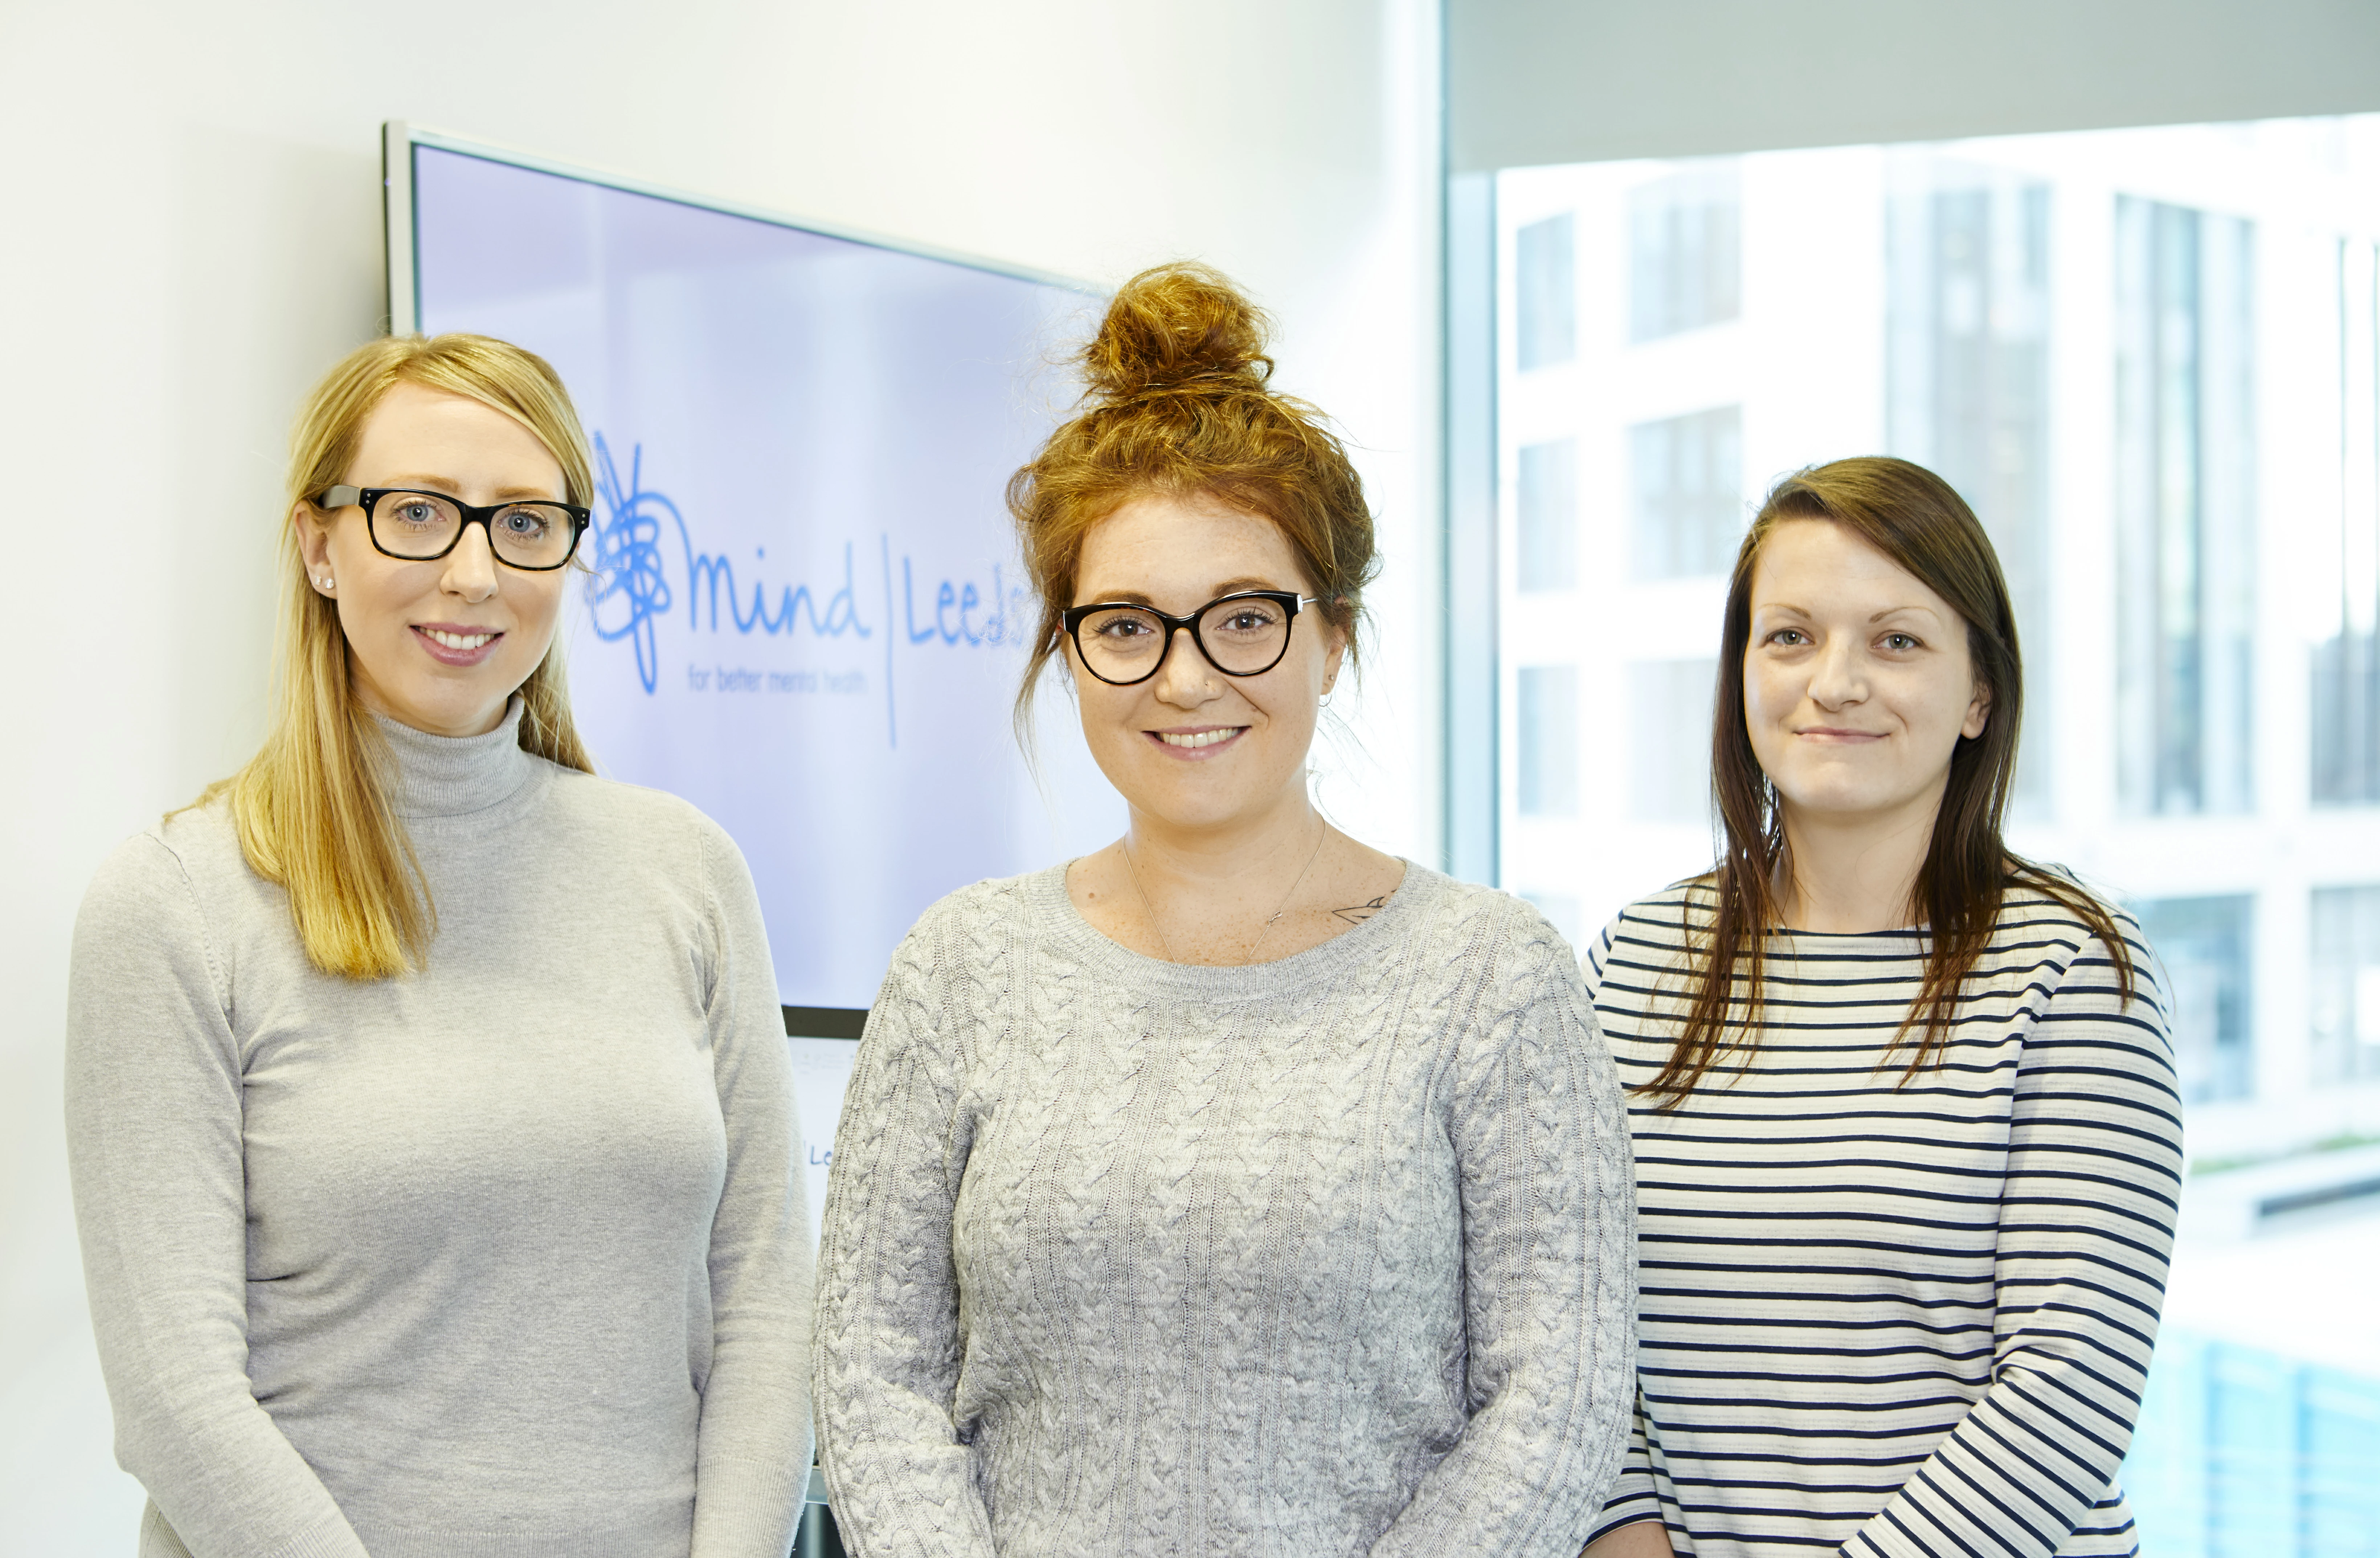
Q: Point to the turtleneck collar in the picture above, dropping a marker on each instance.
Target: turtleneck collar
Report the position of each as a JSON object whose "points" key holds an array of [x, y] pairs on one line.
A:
{"points": [[453, 775]]}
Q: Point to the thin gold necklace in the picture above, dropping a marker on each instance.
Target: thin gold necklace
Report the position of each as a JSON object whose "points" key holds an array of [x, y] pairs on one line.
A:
{"points": [[1322, 832]]}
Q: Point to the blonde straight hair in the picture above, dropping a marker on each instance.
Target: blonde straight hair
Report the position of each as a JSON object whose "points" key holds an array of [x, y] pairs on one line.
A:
{"points": [[312, 806]]}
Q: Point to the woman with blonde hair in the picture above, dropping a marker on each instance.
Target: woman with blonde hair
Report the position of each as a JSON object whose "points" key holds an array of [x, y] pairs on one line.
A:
{"points": [[1236, 1188], [427, 1096]]}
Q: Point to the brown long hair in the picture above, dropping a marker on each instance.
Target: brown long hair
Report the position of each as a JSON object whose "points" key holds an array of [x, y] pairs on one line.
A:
{"points": [[312, 806], [1176, 402], [1916, 519]]}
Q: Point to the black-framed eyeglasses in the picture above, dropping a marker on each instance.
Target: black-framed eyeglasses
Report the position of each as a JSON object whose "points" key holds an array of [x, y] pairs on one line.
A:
{"points": [[416, 526], [1241, 634]]}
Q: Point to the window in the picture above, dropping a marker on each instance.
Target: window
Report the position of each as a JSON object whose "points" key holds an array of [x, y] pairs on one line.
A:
{"points": [[2166, 412], [1685, 265], [2346, 988], [2347, 658], [2203, 943], [1967, 380], [2185, 508], [1549, 741], [1544, 316], [1686, 494], [2239, 1442], [1547, 498], [1669, 716]]}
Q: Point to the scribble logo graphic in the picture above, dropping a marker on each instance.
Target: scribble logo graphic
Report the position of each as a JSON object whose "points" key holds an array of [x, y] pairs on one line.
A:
{"points": [[628, 590]]}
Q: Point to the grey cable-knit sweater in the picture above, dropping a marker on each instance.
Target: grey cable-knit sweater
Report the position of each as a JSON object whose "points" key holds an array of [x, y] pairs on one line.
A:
{"points": [[1330, 1255], [503, 1257]]}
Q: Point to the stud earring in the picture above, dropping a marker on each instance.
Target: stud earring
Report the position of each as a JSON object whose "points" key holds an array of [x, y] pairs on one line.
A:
{"points": [[326, 581]]}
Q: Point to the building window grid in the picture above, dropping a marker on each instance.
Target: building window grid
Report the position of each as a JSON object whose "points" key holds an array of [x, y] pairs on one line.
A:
{"points": [[1544, 278], [2208, 947], [2185, 508], [1670, 745], [1685, 241], [1546, 781], [2344, 985], [2346, 666], [1545, 515], [1686, 483]]}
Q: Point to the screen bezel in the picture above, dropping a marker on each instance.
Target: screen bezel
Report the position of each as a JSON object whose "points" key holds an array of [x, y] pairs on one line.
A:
{"points": [[402, 292]]}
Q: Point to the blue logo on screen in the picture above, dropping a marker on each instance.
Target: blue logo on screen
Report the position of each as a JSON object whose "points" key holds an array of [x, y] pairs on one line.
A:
{"points": [[631, 587], [631, 593]]}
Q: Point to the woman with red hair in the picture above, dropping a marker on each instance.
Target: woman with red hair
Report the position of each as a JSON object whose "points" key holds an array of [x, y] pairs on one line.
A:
{"points": [[1238, 1188]]}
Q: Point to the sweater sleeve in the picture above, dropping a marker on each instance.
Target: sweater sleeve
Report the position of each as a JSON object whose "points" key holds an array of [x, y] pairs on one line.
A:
{"points": [[885, 1363], [752, 1455], [1549, 1275], [1635, 1495], [2086, 1228], [155, 1148]]}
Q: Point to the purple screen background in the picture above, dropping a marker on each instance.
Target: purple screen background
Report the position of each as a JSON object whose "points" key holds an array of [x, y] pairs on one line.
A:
{"points": [[807, 616]]}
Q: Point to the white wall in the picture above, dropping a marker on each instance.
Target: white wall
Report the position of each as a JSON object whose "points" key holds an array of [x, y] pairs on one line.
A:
{"points": [[192, 233]]}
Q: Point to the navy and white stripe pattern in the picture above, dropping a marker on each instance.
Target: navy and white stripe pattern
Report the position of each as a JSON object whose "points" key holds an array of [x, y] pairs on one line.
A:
{"points": [[1896, 1319]]}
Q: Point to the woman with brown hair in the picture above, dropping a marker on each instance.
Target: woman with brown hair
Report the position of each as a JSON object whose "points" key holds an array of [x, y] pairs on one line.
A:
{"points": [[1908, 1140], [1237, 1189], [427, 1097]]}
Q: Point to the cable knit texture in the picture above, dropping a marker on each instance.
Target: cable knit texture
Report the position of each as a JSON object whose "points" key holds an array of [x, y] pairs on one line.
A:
{"points": [[1329, 1255], [501, 1258]]}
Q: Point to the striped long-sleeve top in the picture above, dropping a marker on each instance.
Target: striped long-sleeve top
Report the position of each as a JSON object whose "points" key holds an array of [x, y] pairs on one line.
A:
{"points": [[1888, 1316]]}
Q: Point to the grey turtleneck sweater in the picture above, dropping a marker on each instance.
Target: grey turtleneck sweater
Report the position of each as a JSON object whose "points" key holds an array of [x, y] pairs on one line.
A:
{"points": [[504, 1257], [1333, 1255]]}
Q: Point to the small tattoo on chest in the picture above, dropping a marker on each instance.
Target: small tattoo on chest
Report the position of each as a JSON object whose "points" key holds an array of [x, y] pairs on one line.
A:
{"points": [[1356, 914]]}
